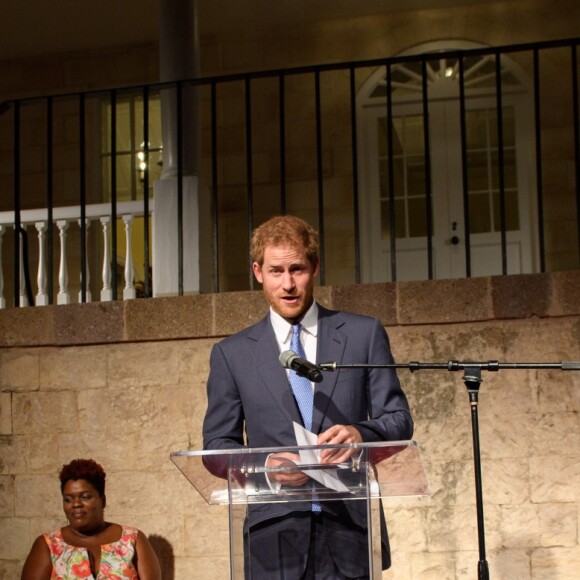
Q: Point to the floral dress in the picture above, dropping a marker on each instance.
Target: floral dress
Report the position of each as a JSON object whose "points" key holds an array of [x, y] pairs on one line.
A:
{"points": [[72, 562]]}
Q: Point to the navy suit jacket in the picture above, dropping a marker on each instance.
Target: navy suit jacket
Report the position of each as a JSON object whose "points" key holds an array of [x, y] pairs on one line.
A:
{"points": [[250, 401]]}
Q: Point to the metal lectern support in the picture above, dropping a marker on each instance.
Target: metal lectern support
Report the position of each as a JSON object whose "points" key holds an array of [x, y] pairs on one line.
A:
{"points": [[472, 380]]}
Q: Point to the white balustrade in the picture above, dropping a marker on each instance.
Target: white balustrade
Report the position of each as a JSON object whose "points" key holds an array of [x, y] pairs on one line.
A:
{"points": [[129, 290], [106, 292], [41, 295], [63, 296], [64, 218]]}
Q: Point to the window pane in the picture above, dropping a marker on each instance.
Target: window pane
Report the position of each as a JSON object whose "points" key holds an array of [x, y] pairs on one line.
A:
{"points": [[477, 173], [476, 129], [416, 176], [399, 220], [511, 211], [417, 218], [479, 213], [413, 136]]}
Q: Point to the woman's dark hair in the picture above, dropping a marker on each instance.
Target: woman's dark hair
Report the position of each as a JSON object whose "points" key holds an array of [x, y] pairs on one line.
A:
{"points": [[87, 469]]}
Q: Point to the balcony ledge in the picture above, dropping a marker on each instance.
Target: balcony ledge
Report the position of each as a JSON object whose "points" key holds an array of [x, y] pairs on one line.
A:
{"points": [[216, 315]]}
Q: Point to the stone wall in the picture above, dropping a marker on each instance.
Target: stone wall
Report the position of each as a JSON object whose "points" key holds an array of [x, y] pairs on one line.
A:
{"points": [[124, 383]]}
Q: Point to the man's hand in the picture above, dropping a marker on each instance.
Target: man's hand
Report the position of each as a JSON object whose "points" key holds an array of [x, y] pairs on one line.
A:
{"points": [[286, 477], [338, 435]]}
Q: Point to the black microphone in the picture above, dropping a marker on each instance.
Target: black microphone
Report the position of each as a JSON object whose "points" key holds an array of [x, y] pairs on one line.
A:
{"points": [[290, 360]]}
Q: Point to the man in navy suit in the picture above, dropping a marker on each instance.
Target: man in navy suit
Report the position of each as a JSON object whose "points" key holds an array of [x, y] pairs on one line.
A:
{"points": [[251, 402]]}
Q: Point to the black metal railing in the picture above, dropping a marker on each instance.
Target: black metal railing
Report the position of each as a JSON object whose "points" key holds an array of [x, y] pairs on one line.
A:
{"points": [[81, 158]]}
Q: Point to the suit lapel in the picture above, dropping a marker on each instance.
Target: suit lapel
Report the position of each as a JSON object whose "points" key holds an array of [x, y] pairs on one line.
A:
{"points": [[265, 353], [330, 348]]}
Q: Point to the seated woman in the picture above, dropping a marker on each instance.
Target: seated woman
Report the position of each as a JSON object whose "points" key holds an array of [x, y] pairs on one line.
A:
{"points": [[89, 547]]}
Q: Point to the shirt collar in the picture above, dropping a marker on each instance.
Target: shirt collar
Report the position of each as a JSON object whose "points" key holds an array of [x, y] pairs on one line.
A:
{"points": [[283, 329]]}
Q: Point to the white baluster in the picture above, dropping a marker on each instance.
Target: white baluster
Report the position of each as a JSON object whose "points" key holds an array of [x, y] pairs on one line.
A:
{"points": [[129, 290], [41, 295], [88, 296], [63, 296], [23, 296], [2, 299], [106, 292]]}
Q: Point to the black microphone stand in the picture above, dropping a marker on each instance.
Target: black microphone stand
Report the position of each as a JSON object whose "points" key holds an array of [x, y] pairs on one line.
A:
{"points": [[472, 379]]}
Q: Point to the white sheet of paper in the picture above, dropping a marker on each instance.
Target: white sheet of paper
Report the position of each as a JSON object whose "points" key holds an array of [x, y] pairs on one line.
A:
{"points": [[327, 477]]}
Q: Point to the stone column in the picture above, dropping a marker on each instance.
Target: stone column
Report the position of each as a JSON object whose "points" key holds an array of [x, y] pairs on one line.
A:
{"points": [[179, 60]]}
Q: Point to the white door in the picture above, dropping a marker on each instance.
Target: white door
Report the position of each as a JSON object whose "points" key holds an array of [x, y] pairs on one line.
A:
{"points": [[447, 205]]}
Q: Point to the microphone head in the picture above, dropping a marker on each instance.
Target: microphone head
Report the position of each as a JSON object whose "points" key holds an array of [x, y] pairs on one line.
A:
{"points": [[286, 358]]}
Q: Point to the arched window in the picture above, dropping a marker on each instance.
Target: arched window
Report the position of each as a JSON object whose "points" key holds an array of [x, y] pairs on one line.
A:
{"points": [[482, 157]]}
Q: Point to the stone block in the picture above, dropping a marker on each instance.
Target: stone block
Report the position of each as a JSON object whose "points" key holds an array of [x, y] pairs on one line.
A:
{"points": [[103, 411], [519, 526], [556, 478], [204, 540], [203, 568], [444, 301], [406, 528], [135, 493], [44, 412], [44, 457], [15, 541], [19, 370], [506, 481], [168, 318], [6, 496], [26, 326], [432, 566], [14, 451], [73, 368], [520, 296], [504, 563], [5, 414], [142, 364], [561, 563], [89, 323], [565, 293], [558, 525], [236, 310], [378, 300], [37, 496], [556, 434]]}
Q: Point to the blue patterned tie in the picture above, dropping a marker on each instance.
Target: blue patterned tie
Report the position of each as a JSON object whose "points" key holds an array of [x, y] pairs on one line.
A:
{"points": [[302, 389], [301, 385]]}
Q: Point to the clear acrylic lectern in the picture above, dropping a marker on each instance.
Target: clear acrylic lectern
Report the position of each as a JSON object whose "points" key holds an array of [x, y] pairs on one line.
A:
{"points": [[238, 478]]}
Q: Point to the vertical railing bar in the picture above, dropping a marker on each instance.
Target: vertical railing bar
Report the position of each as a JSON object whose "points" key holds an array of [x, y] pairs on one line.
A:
{"points": [[282, 117], [390, 173], [464, 168], [428, 192], [539, 167], [50, 195], [214, 186], [17, 224], [146, 233], [500, 161], [132, 147], [114, 193], [355, 188], [576, 105], [320, 184], [179, 111], [83, 196], [249, 174]]}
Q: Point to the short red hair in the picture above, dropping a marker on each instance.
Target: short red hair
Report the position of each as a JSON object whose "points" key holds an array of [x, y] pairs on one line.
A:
{"points": [[87, 469]]}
